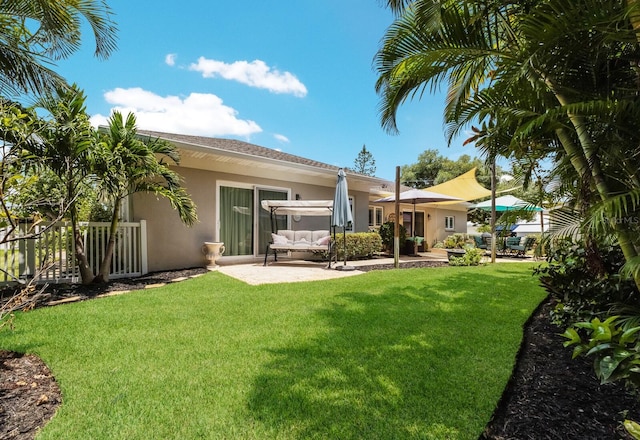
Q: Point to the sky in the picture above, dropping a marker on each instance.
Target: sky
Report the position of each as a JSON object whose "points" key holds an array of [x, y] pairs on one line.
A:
{"points": [[296, 76]]}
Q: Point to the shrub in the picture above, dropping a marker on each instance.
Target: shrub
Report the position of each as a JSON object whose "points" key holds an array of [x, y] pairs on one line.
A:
{"points": [[359, 245], [579, 291], [483, 228], [386, 232], [616, 351], [471, 257], [455, 241]]}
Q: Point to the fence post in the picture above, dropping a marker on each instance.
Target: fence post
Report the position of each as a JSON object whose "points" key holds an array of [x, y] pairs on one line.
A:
{"points": [[144, 266]]}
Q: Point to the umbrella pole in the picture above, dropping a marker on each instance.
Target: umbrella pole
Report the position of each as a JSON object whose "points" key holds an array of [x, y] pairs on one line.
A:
{"points": [[344, 233]]}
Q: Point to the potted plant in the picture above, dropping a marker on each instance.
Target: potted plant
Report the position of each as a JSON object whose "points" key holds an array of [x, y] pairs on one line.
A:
{"points": [[386, 232]]}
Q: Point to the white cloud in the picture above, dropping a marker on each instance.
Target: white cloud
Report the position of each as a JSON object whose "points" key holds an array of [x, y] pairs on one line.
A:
{"points": [[170, 59], [281, 138], [199, 114], [254, 74]]}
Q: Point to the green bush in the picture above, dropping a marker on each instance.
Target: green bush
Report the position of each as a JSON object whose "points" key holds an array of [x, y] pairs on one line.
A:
{"points": [[455, 241], [616, 351], [471, 257], [386, 232], [360, 245], [580, 293]]}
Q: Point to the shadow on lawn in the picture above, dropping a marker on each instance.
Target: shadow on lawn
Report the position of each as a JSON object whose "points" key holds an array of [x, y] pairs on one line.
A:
{"points": [[377, 372]]}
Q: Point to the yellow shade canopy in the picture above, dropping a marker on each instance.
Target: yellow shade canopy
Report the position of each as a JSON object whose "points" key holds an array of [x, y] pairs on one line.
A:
{"points": [[465, 187]]}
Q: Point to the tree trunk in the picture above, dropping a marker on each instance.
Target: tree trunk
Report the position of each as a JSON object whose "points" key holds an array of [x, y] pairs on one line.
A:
{"points": [[105, 264], [86, 274], [586, 162]]}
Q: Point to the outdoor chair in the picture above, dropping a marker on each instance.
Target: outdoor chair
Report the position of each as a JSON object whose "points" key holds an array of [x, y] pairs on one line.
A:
{"points": [[525, 245], [512, 242], [480, 242]]}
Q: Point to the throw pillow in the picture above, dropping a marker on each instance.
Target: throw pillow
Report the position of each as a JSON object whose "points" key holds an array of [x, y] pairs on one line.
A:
{"points": [[278, 239], [324, 240]]}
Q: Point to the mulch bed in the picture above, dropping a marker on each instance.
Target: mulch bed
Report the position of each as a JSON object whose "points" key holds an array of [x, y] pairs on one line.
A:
{"points": [[549, 395]]}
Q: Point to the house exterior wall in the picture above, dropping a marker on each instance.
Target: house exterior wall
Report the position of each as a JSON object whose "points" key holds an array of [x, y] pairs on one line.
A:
{"points": [[172, 245], [434, 223], [436, 226]]}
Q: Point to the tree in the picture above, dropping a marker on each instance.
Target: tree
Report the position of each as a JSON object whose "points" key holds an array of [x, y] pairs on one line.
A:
{"points": [[423, 173], [19, 132], [67, 143], [432, 169], [127, 164], [33, 34], [558, 76], [365, 163]]}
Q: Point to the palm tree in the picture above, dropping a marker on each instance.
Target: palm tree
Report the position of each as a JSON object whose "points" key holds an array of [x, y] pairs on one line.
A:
{"points": [[67, 142], [127, 164], [36, 33], [560, 73]]}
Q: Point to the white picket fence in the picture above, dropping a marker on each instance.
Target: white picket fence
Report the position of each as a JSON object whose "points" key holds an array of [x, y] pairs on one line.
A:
{"points": [[50, 257]]}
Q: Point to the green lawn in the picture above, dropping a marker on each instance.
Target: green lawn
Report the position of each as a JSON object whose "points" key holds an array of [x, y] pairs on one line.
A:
{"points": [[415, 353]]}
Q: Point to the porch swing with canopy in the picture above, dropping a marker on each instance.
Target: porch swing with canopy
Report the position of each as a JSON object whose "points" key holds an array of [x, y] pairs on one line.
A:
{"points": [[287, 240]]}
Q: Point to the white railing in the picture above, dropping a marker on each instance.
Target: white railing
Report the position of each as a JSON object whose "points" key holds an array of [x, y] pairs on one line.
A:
{"points": [[50, 257]]}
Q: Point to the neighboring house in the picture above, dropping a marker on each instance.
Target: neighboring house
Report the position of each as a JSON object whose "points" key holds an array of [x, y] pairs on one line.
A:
{"points": [[227, 179]]}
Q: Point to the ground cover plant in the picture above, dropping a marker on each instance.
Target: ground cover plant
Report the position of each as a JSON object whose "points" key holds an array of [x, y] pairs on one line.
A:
{"points": [[422, 353]]}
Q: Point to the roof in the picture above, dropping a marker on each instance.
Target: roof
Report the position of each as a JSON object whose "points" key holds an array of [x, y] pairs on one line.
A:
{"points": [[236, 146], [239, 157]]}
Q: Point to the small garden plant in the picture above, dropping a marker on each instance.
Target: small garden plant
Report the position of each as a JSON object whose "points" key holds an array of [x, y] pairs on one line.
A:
{"points": [[471, 257]]}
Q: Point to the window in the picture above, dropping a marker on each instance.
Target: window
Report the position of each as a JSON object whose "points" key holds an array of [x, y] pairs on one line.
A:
{"points": [[449, 223], [376, 215]]}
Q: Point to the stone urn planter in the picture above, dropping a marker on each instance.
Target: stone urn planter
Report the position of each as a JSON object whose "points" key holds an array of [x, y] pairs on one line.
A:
{"points": [[212, 250], [455, 253]]}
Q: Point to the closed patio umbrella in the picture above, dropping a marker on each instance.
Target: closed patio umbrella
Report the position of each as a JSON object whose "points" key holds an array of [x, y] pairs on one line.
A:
{"points": [[415, 197], [342, 216]]}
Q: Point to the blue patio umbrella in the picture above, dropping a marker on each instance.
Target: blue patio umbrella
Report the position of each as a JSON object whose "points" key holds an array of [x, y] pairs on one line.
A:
{"points": [[342, 216]]}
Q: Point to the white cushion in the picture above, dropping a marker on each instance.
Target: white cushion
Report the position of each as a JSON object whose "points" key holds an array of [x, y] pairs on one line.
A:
{"points": [[279, 239]]}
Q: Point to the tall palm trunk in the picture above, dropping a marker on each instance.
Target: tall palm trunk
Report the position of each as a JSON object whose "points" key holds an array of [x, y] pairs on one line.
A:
{"points": [[585, 161]]}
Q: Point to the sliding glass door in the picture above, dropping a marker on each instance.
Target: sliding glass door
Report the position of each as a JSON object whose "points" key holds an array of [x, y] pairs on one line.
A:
{"points": [[236, 220], [242, 219]]}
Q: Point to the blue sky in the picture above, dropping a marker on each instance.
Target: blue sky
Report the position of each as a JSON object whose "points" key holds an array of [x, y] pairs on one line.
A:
{"points": [[296, 76]]}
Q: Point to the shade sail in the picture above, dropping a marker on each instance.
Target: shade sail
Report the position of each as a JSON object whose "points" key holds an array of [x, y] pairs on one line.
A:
{"points": [[507, 203], [465, 187], [299, 207]]}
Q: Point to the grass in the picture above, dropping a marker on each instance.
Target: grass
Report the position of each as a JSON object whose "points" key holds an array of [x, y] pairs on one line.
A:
{"points": [[415, 353]]}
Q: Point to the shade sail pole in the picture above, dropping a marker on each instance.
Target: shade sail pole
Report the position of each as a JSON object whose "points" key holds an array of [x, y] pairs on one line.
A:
{"points": [[396, 223], [493, 209]]}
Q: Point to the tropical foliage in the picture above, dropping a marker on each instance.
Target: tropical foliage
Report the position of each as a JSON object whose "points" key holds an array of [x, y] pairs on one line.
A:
{"points": [[546, 80], [125, 165], [52, 175], [34, 34]]}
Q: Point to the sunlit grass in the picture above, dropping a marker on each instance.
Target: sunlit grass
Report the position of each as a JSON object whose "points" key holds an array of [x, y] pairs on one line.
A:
{"points": [[416, 353]]}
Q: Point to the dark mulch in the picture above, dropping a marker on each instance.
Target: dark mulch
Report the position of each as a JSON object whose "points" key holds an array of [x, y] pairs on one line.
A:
{"points": [[549, 396]]}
